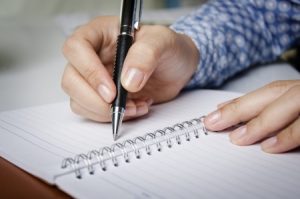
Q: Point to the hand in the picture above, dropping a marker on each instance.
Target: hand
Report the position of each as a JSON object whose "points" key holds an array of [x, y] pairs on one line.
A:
{"points": [[272, 116], [157, 67]]}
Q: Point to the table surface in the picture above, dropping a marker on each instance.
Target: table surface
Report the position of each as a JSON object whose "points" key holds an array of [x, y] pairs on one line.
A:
{"points": [[16, 183]]}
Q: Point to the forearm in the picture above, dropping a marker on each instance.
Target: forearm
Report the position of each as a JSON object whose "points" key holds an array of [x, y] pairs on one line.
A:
{"points": [[233, 35]]}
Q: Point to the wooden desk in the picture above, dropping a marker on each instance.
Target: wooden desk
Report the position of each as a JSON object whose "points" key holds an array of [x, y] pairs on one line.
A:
{"points": [[16, 183]]}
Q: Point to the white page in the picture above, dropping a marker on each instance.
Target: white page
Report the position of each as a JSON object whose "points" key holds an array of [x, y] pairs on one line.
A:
{"points": [[208, 167], [38, 138]]}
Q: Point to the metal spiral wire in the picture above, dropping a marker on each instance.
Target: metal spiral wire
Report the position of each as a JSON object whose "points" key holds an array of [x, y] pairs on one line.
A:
{"points": [[177, 132]]}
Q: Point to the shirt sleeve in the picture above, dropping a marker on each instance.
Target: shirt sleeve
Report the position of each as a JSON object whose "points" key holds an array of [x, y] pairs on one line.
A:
{"points": [[232, 35]]}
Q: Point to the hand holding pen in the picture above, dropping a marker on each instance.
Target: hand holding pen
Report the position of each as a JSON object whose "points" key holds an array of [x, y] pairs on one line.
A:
{"points": [[130, 19], [157, 66]]}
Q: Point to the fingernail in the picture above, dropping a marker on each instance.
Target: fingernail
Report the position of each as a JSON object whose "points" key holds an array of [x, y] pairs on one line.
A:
{"points": [[238, 133], [141, 110], [105, 93], [130, 111], [213, 117], [133, 78], [269, 142]]}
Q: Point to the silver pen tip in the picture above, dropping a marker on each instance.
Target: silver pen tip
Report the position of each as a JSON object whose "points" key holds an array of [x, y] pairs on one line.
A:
{"points": [[115, 137], [117, 117]]}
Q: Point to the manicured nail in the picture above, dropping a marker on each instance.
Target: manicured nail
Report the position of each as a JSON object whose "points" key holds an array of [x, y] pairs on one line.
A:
{"points": [[133, 78], [105, 93], [269, 142], [238, 133], [213, 117]]}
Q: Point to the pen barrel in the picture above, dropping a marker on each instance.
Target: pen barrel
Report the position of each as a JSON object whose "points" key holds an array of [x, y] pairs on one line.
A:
{"points": [[127, 16], [123, 44]]}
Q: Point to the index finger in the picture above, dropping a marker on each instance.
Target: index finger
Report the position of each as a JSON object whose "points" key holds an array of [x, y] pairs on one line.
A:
{"points": [[247, 107], [81, 51]]}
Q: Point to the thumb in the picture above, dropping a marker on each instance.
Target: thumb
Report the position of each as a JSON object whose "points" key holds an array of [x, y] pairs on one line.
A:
{"points": [[140, 62]]}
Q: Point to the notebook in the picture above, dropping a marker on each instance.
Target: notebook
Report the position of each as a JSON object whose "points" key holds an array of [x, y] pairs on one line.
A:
{"points": [[166, 154]]}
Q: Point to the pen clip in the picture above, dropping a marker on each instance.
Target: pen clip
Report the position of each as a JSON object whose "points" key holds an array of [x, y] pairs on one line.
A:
{"points": [[137, 14]]}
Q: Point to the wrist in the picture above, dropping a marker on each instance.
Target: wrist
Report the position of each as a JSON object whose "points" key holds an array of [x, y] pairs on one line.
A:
{"points": [[190, 55]]}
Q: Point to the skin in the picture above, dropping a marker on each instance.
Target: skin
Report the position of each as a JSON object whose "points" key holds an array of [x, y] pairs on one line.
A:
{"points": [[158, 65], [162, 61], [271, 116]]}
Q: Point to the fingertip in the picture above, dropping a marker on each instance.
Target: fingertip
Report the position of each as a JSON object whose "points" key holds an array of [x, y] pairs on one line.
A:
{"points": [[140, 62], [132, 79], [130, 109], [136, 108], [142, 108], [239, 136], [107, 94], [266, 150], [269, 150], [269, 145], [207, 124], [211, 120]]}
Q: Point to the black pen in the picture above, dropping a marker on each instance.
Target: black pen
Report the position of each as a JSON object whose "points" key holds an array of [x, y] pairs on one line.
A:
{"points": [[130, 18]]}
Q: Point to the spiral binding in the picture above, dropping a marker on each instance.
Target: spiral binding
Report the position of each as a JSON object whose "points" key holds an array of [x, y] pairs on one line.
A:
{"points": [[146, 142]]}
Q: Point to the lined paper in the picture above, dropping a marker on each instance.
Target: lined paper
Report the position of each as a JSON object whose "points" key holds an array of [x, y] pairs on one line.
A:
{"points": [[37, 139], [209, 167]]}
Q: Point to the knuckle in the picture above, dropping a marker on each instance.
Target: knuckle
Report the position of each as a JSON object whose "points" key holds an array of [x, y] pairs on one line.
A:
{"points": [[148, 50], [295, 92], [151, 51], [147, 57], [166, 33], [278, 86], [161, 29], [91, 75], [70, 44], [234, 111], [261, 123], [233, 107], [87, 70]]}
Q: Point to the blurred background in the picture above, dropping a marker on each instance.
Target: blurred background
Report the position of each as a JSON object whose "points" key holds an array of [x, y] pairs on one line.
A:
{"points": [[15, 8], [32, 33]]}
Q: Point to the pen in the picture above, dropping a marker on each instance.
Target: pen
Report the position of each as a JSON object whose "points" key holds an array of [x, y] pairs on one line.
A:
{"points": [[130, 18]]}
